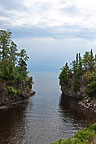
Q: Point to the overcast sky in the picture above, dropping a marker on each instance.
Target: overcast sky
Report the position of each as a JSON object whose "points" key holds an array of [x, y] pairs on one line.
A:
{"points": [[51, 31]]}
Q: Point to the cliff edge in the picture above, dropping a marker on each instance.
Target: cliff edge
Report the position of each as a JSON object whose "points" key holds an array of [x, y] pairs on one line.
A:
{"points": [[13, 92]]}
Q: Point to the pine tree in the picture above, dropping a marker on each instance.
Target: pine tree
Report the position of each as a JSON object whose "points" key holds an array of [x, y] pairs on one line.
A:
{"points": [[22, 65], [74, 66], [13, 65], [80, 64], [13, 52], [4, 44], [77, 60]]}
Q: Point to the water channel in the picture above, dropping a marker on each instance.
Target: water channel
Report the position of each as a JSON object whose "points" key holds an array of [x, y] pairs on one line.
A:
{"points": [[44, 118]]}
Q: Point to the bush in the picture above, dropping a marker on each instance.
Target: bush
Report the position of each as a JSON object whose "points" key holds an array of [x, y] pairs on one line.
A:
{"points": [[13, 91], [30, 80], [93, 127], [91, 83], [84, 136]]}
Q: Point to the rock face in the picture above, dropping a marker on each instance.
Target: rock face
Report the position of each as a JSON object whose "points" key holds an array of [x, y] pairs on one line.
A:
{"points": [[85, 102], [68, 89], [89, 105], [78, 95], [14, 92]]}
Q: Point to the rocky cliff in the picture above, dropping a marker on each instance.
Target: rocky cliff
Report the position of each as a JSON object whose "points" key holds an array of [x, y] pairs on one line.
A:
{"points": [[86, 103], [68, 89], [13, 92]]}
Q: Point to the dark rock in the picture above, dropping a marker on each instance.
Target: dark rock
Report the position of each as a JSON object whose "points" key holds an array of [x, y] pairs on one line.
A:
{"points": [[6, 98], [84, 101]]}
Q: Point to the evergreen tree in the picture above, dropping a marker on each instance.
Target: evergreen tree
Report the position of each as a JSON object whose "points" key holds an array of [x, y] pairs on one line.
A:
{"points": [[13, 52], [64, 75], [74, 66], [13, 65], [77, 60], [91, 55], [22, 65], [80, 65], [86, 59], [4, 44], [91, 60]]}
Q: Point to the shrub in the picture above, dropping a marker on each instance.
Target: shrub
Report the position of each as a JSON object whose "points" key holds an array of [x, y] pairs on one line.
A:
{"points": [[91, 83], [30, 80], [84, 136], [12, 90]]}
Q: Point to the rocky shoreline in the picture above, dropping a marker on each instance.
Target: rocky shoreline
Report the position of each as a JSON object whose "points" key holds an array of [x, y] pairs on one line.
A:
{"points": [[86, 103], [17, 103]]}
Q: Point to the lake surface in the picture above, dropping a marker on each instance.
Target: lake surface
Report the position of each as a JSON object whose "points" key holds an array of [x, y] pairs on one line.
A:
{"points": [[45, 117]]}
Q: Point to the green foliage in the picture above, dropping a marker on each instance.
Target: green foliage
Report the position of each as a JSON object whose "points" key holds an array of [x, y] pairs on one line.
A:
{"points": [[66, 141], [91, 83], [22, 66], [64, 75], [13, 65], [30, 80], [93, 127], [76, 85], [81, 67], [84, 136], [77, 65], [88, 61], [4, 44], [13, 53], [74, 66], [8, 71], [91, 89], [12, 90]]}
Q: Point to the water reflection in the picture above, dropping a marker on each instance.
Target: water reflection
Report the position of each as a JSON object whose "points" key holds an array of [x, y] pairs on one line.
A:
{"points": [[70, 109], [12, 124]]}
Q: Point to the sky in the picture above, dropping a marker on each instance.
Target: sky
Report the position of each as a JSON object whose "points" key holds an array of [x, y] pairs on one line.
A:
{"points": [[51, 31]]}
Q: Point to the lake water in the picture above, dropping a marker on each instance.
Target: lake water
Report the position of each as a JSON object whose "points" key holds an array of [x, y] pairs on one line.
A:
{"points": [[45, 117]]}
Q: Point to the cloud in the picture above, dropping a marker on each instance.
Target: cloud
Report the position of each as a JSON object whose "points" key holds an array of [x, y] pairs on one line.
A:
{"points": [[62, 17], [52, 31], [52, 13]]}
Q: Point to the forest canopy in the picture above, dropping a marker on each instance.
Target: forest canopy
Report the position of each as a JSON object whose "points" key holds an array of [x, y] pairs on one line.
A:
{"points": [[13, 64]]}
